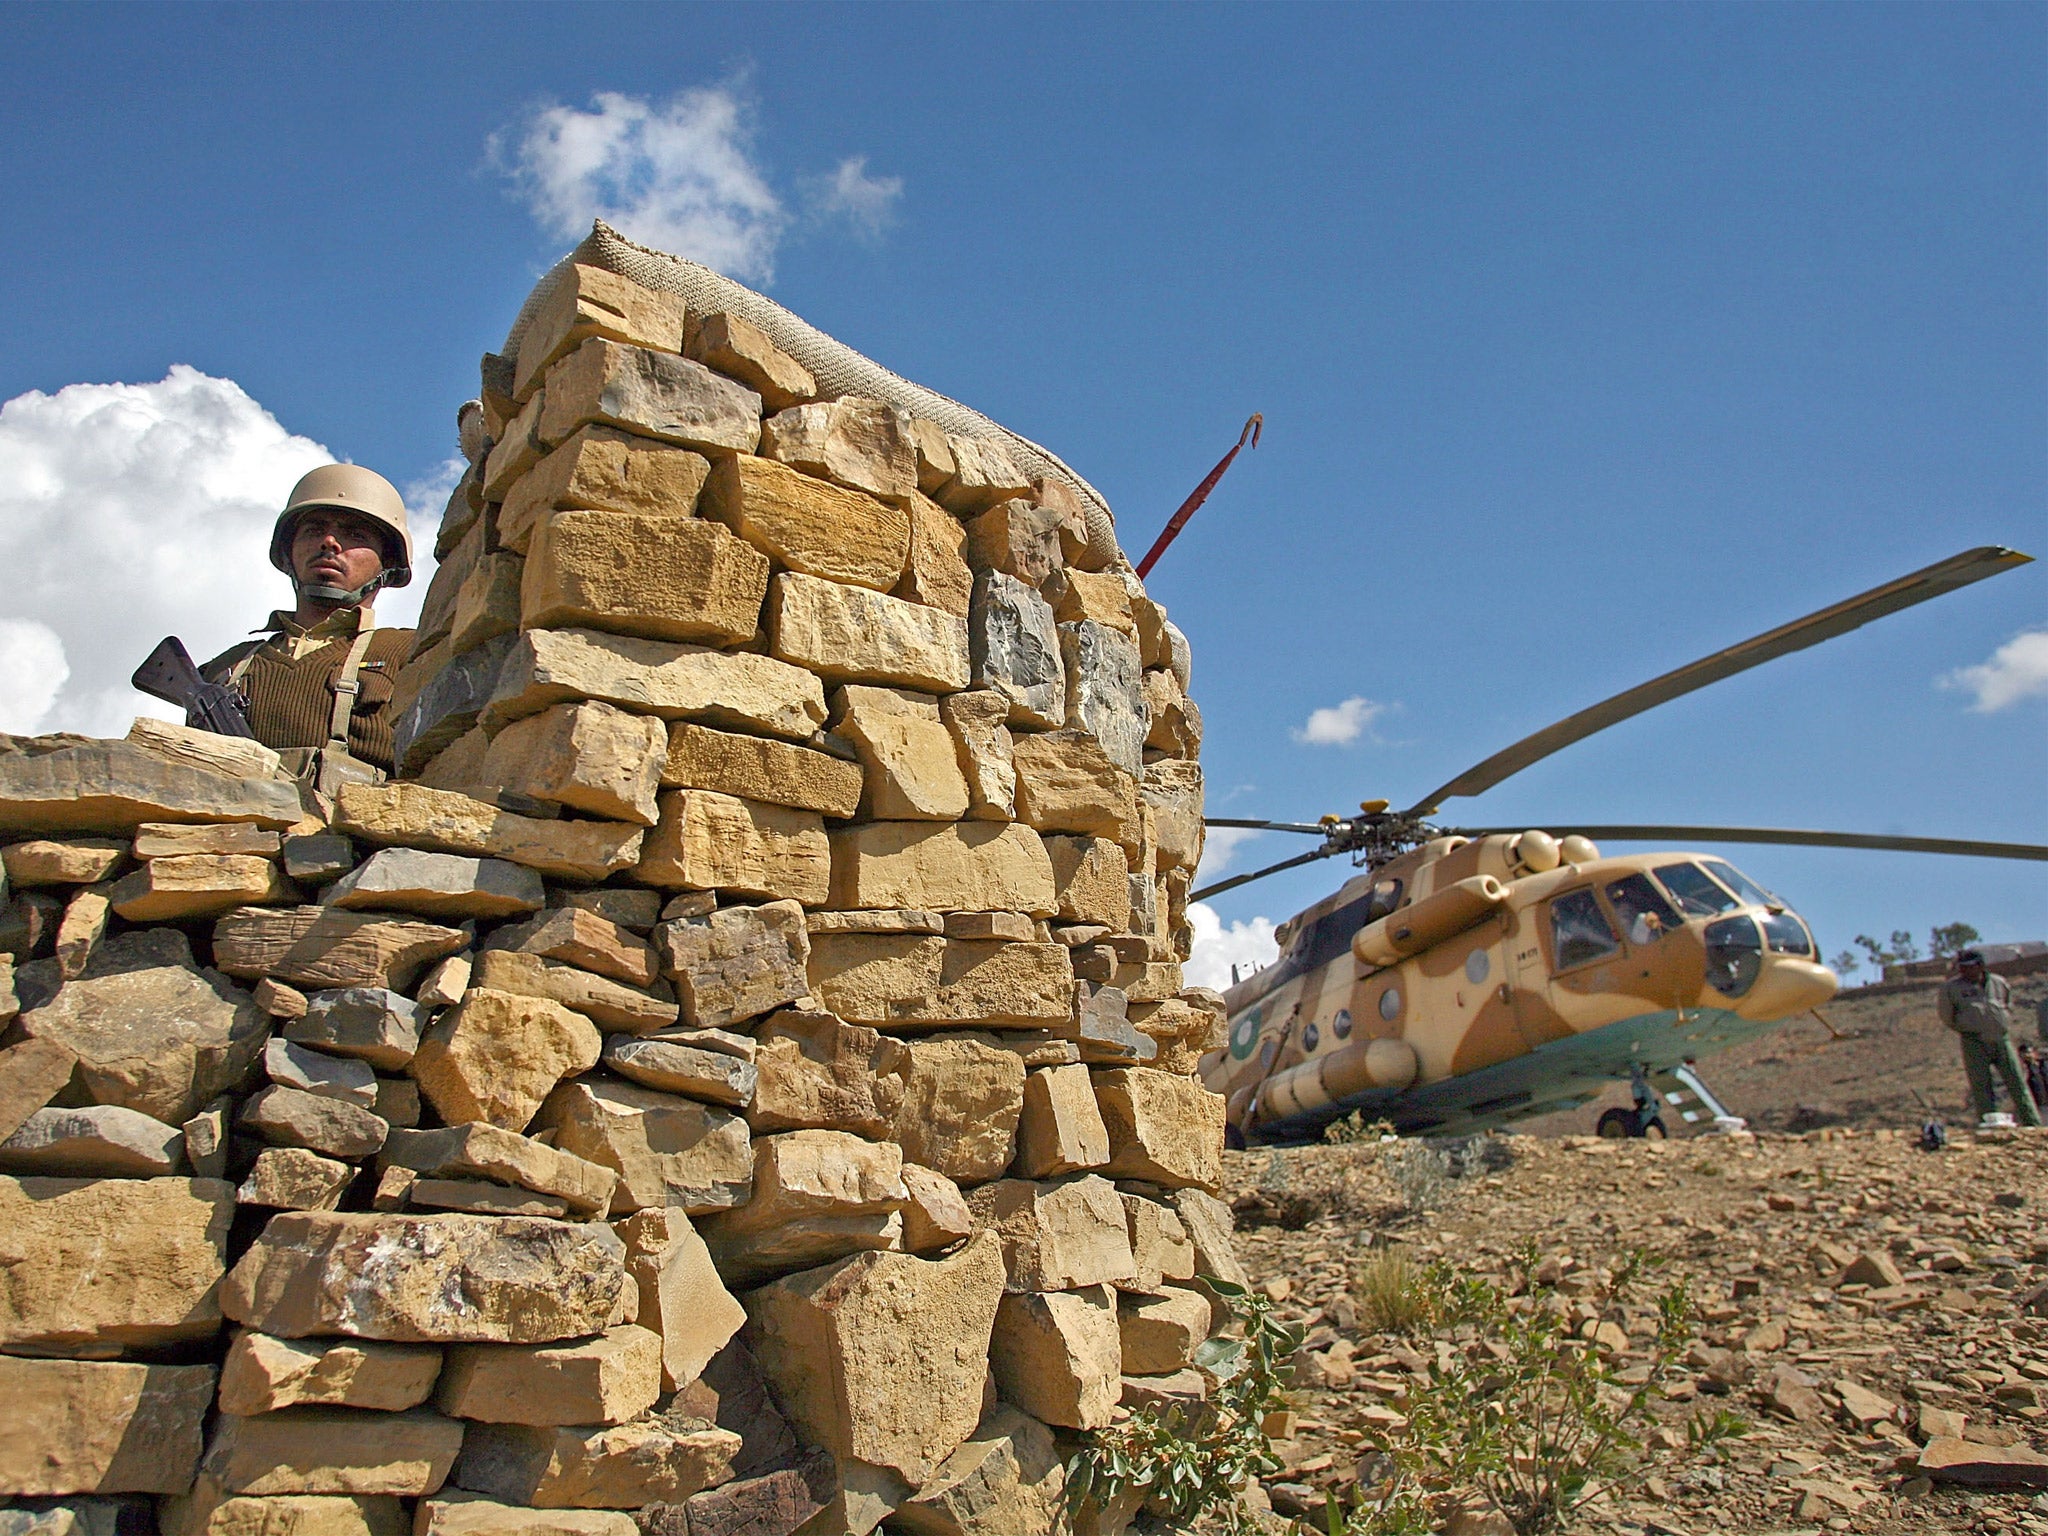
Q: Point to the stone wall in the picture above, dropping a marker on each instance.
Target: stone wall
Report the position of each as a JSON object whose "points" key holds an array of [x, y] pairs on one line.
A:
{"points": [[739, 1079]]}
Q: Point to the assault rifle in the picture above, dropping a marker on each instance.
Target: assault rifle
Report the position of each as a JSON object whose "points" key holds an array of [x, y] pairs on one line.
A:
{"points": [[168, 674]]}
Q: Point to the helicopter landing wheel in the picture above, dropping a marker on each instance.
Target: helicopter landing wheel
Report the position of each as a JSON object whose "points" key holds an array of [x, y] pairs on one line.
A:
{"points": [[1617, 1124]]}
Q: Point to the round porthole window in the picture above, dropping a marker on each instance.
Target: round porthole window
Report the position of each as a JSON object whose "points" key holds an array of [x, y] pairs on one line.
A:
{"points": [[1390, 1004], [1476, 966], [1311, 1037], [1341, 1025]]}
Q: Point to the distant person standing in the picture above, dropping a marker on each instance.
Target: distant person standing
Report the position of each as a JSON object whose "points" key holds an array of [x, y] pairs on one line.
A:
{"points": [[1978, 1007], [2035, 1057]]}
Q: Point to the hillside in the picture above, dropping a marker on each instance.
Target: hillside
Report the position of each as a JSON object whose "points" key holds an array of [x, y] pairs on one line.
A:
{"points": [[1856, 1298], [1893, 1065]]}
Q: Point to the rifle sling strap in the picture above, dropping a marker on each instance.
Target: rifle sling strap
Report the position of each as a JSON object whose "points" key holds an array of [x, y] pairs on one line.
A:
{"points": [[347, 684]]}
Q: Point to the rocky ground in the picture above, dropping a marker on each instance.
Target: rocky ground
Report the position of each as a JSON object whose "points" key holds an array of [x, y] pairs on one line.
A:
{"points": [[1857, 1296]]}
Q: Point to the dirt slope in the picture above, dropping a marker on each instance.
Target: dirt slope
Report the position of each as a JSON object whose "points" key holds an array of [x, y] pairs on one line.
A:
{"points": [[1763, 1227], [1802, 1077]]}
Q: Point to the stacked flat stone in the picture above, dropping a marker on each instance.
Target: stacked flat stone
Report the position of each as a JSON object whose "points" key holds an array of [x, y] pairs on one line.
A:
{"points": [[737, 1078]]}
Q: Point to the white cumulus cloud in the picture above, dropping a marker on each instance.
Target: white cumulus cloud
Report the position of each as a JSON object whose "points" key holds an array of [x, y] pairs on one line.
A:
{"points": [[1338, 725], [134, 511], [32, 672], [2017, 670], [1246, 945], [426, 498], [866, 202], [679, 175]]}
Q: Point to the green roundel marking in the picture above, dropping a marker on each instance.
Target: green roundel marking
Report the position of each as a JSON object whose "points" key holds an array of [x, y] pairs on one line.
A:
{"points": [[1244, 1035]]}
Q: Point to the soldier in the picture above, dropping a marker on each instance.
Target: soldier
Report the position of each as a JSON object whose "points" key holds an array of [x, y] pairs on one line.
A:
{"points": [[318, 687], [1978, 1007]]}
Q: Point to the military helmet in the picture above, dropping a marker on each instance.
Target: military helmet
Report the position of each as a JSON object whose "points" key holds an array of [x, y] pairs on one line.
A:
{"points": [[348, 488]]}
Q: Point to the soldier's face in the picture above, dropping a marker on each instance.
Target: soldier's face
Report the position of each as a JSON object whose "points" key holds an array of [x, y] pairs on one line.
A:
{"points": [[335, 549]]}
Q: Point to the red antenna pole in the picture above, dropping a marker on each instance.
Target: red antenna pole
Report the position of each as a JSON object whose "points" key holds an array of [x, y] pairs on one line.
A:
{"points": [[1179, 520]]}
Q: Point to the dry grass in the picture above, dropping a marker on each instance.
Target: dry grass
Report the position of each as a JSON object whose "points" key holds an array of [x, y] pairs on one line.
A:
{"points": [[1391, 1294]]}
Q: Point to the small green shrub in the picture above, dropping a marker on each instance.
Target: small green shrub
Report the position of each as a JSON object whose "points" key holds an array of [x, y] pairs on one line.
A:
{"points": [[1190, 1463], [1527, 1412]]}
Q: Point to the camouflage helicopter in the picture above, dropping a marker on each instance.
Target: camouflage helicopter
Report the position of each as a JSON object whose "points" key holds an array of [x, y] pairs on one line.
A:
{"points": [[1473, 976]]}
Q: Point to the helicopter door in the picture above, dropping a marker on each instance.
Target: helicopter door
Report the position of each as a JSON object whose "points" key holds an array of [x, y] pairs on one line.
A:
{"points": [[1583, 950], [1525, 980]]}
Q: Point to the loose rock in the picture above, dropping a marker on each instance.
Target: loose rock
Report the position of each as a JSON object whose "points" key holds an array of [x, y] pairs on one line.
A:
{"points": [[332, 1077], [287, 1117], [817, 1196], [452, 1279], [369, 1024], [76, 1426], [709, 841], [486, 1152], [736, 963], [852, 635], [437, 885], [1056, 1355], [160, 1039], [879, 1359], [122, 1262], [331, 1450], [907, 752], [711, 1076], [1015, 646], [603, 1380], [667, 1151], [294, 1179], [496, 1056], [1059, 1235], [321, 947], [625, 1466], [735, 690], [606, 1003], [816, 1072], [263, 1374], [757, 768], [682, 1297], [97, 1141], [962, 1102]]}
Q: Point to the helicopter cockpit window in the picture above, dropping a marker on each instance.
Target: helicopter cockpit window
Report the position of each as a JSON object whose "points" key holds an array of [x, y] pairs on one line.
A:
{"points": [[1578, 930], [1695, 894], [1643, 911], [1386, 895], [1740, 883], [1735, 954], [1786, 934]]}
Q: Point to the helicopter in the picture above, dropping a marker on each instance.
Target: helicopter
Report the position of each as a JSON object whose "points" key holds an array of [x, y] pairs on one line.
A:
{"points": [[1475, 976]]}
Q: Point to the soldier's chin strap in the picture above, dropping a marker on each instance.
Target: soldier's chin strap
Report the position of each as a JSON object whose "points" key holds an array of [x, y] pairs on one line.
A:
{"points": [[341, 597]]}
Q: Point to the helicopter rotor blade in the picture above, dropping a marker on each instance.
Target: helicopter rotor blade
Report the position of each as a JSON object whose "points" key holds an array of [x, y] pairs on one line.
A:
{"points": [[1917, 587], [1265, 826], [1794, 837], [1259, 874]]}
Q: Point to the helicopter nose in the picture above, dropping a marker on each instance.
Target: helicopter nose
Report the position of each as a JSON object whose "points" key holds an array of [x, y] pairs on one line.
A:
{"points": [[1787, 986]]}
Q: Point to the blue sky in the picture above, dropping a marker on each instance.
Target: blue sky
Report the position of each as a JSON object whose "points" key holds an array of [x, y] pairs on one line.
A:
{"points": [[1588, 339]]}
